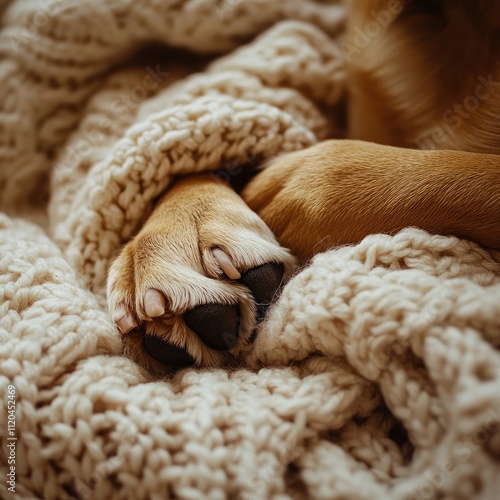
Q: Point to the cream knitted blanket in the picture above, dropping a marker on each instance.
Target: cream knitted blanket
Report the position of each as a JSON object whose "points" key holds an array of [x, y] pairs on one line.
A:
{"points": [[391, 379]]}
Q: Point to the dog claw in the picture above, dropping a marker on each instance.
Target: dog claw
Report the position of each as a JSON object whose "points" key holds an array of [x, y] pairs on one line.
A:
{"points": [[226, 264], [154, 303], [124, 320]]}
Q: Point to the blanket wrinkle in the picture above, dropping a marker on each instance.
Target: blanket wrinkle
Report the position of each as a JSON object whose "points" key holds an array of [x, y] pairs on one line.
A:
{"points": [[376, 374]]}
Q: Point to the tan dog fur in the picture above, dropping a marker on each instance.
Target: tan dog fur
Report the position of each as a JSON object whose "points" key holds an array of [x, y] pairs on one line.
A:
{"points": [[404, 93]]}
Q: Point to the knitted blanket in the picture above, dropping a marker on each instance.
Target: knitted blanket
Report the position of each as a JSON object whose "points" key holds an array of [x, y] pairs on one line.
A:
{"points": [[375, 375]]}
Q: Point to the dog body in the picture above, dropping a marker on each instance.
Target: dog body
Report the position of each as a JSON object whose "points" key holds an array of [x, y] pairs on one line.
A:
{"points": [[426, 77]]}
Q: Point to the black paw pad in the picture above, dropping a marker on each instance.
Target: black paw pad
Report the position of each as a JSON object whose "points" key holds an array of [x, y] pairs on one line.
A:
{"points": [[263, 281], [217, 325], [166, 353]]}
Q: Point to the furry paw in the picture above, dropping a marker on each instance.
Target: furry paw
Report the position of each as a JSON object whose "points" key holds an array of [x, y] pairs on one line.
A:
{"points": [[191, 287]]}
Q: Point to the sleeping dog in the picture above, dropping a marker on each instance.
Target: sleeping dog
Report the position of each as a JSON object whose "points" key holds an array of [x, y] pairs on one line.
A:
{"points": [[423, 117]]}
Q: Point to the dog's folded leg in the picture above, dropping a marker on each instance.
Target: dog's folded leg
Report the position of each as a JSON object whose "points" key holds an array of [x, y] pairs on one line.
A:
{"points": [[338, 192], [192, 285]]}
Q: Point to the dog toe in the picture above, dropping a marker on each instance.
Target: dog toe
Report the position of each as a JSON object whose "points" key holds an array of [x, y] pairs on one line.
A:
{"points": [[166, 353], [217, 325], [263, 281]]}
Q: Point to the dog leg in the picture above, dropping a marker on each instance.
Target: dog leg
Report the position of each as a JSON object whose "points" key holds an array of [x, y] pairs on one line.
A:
{"points": [[338, 192]]}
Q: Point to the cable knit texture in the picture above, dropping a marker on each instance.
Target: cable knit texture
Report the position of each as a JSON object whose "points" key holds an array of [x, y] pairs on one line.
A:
{"points": [[375, 375]]}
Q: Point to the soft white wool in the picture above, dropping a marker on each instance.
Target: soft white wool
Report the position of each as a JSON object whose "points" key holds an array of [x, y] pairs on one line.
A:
{"points": [[400, 328]]}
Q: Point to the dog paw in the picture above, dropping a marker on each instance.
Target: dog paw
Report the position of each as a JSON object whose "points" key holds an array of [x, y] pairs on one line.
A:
{"points": [[192, 286]]}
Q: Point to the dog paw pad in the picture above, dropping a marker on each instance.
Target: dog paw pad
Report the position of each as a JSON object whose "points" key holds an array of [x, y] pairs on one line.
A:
{"points": [[166, 353], [263, 281], [217, 325]]}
